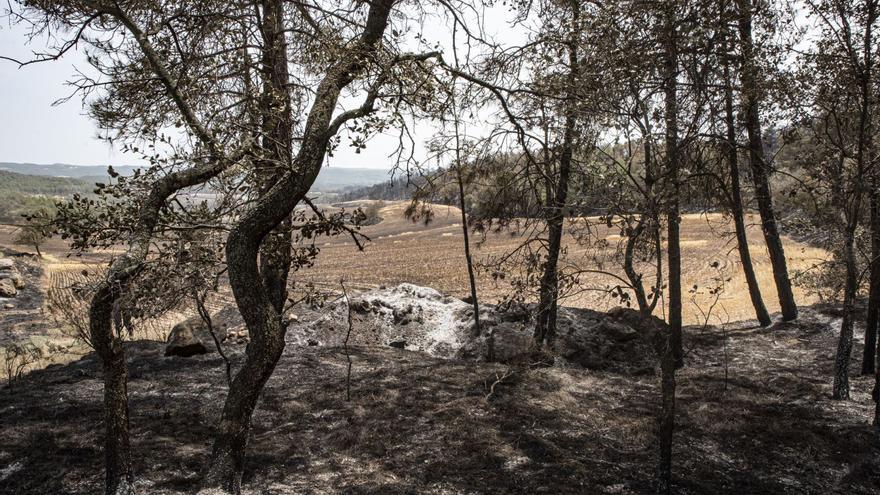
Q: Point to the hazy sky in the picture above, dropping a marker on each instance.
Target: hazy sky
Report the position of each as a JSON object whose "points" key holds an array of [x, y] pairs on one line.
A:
{"points": [[32, 130]]}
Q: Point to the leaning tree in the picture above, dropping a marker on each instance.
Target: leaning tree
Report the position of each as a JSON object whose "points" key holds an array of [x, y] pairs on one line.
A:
{"points": [[247, 94]]}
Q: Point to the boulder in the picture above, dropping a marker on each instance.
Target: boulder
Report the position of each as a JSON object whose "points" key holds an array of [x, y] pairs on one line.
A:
{"points": [[14, 276], [7, 264], [7, 288], [191, 336], [183, 342]]}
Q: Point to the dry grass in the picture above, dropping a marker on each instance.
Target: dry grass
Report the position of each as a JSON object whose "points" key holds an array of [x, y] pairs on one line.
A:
{"points": [[432, 255]]}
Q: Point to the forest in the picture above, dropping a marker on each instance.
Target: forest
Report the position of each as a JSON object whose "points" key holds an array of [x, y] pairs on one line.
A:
{"points": [[611, 182]]}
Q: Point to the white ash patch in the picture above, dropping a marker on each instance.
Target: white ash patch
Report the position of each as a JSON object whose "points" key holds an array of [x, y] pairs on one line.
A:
{"points": [[406, 316]]}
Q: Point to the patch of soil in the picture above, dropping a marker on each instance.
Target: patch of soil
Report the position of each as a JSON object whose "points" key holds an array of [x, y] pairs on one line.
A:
{"points": [[754, 415]]}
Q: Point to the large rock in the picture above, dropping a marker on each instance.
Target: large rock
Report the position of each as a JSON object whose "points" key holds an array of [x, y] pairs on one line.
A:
{"points": [[7, 264], [182, 341], [191, 336], [14, 276], [421, 319], [7, 288]]}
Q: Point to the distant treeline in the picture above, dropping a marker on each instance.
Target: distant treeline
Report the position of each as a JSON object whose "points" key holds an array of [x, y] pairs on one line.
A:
{"points": [[397, 189], [21, 193]]}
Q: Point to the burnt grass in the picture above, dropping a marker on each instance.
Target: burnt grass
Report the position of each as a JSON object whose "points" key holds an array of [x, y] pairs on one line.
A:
{"points": [[754, 416]]}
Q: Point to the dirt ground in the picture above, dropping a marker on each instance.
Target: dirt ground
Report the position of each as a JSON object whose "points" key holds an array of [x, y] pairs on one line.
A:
{"points": [[754, 416]]}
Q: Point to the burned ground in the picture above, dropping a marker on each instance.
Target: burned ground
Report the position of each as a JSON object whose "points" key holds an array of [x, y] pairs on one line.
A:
{"points": [[754, 416]]}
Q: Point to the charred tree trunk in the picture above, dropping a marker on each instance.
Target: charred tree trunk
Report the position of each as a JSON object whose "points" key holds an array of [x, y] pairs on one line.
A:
{"points": [[666, 424], [864, 172], [545, 327], [277, 141], [467, 248], [736, 206], [870, 351], [670, 90], [759, 166], [253, 299], [673, 355], [840, 390], [119, 477]]}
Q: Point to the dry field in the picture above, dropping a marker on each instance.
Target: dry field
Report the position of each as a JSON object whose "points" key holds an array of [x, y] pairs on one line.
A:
{"points": [[431, 255], [402, 251]]}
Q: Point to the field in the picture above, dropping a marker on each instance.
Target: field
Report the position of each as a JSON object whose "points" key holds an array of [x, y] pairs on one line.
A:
{"points": [[431, 255]]}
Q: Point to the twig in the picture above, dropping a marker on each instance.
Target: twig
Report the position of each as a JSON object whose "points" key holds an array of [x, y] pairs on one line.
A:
{"points": [[206, 318], [498, 380], [345, 342]]}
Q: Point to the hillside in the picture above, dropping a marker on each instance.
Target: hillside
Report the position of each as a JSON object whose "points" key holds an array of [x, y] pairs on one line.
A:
{"points": [[20, 193], [331, 179]]}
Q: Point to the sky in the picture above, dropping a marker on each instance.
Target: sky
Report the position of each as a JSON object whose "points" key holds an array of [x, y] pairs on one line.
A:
{"points": [[33, 130]]}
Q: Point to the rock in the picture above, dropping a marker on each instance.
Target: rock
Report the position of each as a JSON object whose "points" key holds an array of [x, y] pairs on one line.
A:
{"points": [[7, 288], [7, 264], [398, 344], [9, 306], [14, 276], [183, 342], [191, 336]]}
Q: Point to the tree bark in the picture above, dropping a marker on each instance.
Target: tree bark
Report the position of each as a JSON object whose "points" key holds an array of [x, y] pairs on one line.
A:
{"points": [[840, 389], [253, 299], [759, 165], [871, 324], [864, 171], [119, 477], [548, 301], [277, 142], [736, 206], [673, 249], [666, 424]]}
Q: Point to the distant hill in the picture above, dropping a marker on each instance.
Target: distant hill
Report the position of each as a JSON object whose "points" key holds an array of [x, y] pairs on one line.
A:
{"points": [[21, 193], [331, 179], [12, 182], [65, 170]]}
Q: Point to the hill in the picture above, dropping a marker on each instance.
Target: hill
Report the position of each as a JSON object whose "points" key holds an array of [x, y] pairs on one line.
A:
{"points": [[21, 193], [331, 179]]}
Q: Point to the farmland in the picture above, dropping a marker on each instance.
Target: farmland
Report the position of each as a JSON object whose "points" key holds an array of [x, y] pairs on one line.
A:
{"points": [[431, 255]]}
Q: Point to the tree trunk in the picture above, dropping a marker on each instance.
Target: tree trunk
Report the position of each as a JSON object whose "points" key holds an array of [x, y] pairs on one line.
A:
{"points": [[467, 247], [864, 172], [277, 126], [736, 206], [635, 278], [759, 165], [119, 476], [254, 300], [666, 424], [545, 327], [870, 351], [845, 341], [670, 89]]}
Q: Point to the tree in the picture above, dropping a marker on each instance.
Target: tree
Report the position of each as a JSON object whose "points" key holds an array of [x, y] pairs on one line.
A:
{"points": [[842, 70], [735, 190], [750, 94], [36, 230], [191, 66]]}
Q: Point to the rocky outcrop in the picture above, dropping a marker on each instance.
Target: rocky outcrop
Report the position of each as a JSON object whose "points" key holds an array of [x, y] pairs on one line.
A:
{"points": [[7, 288], [422, 319], [11, 280]]}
